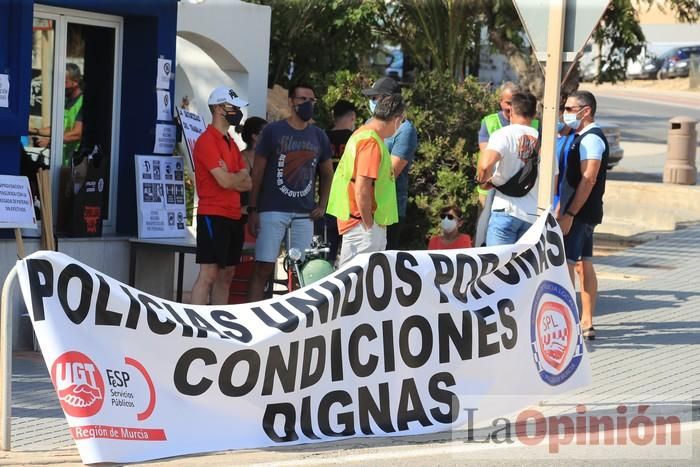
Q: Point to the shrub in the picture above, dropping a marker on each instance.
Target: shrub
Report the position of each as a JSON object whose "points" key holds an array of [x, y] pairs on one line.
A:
{"points": [[343, 85], [447, 115]]}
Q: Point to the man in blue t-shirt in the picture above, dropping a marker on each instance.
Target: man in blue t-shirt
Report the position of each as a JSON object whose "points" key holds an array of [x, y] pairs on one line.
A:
{"points": [[402, 147], [287, 155]]}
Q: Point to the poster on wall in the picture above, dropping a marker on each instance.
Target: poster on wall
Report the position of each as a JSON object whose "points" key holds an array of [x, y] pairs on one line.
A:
{"points": [[164, 106], [165, 139], [160, 186], [16, 203], [192, 127], [4, 90], [163, 74]]}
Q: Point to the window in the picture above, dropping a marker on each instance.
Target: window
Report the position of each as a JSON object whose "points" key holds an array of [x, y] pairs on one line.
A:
{"points": [[73, 129]]}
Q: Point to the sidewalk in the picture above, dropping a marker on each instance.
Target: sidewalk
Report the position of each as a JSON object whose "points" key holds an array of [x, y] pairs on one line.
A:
{"points": [[648, 325]]}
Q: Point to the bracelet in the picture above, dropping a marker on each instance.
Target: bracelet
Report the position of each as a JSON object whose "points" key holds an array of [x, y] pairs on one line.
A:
{"points": [[570, 213], [252, 209]]}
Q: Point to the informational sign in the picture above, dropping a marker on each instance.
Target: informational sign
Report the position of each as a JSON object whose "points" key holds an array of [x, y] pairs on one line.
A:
{"points": [[192, 127], [16, 203], [165, 139], [4, 90], [164, 106], [394, 343], [163, 74], [160, 185]]}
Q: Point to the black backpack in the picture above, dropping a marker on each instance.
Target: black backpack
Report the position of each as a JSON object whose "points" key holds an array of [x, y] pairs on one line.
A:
{"points": [[524, 179]]}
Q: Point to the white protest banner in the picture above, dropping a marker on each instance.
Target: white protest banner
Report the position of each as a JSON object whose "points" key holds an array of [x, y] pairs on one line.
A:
{"points": [[164, 110], [165, 139], [163, 73], [192, 127], [160, 196], [395, 343], [16, 203]]}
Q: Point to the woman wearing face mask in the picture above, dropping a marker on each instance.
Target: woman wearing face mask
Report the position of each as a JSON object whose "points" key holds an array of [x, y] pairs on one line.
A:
{"points": [[451, 238]]}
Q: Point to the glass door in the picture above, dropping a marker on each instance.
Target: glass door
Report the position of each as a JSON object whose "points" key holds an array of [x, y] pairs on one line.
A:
{"points": [[37, 144], [74, 115]]}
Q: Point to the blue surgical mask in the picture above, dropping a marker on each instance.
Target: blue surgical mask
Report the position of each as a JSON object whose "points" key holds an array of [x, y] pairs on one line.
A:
{"points": [[560, 126], [372, 105], [571, 121]]}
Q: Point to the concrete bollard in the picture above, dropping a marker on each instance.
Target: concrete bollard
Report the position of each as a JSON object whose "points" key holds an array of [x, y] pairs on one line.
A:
{"points": [[680, 156]]}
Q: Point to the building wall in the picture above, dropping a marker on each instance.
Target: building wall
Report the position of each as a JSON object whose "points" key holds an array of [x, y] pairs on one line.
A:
{"points": [[223, 43], [149, 33]]}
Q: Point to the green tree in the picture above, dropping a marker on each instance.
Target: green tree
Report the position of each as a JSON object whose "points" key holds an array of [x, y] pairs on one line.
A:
{"points": [[435, 34], [319, 36], [443, 34]]}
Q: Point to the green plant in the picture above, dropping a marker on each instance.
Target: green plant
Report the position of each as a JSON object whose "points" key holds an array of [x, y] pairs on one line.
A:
{"points": [[344, 85], [447, 115]]}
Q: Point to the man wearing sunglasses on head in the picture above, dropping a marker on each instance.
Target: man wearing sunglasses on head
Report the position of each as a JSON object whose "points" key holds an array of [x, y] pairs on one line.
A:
{"points": [[287, 154], [581, 197]]}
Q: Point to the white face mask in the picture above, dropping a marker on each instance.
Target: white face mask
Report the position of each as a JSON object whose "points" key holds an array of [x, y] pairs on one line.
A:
{"points": [[571, 121], [448, 225]]}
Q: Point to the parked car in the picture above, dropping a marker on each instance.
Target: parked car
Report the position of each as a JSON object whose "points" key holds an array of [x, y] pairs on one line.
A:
{"points": [[650, 66], [676, 62], [612, 134]]}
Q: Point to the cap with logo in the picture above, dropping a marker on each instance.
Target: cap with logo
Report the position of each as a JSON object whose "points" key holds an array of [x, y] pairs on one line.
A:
{"points": [[383, 87], [225, 95]]}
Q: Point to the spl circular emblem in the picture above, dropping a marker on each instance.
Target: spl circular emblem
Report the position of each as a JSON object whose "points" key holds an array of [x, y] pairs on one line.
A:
{"points": [[557, 344]]}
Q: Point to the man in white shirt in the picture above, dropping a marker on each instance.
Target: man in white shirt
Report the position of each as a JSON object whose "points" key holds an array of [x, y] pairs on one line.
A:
{"points": [[581, 198], [508, 149]]}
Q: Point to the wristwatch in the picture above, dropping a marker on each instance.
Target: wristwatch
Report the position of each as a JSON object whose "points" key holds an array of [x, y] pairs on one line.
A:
{"points": [[252, 209]]}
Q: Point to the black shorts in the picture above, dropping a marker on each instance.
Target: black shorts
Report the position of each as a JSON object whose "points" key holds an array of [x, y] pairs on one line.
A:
{"points": [[219, 240]]}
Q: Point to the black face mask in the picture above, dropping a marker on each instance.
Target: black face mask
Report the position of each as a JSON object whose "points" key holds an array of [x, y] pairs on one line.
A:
{"points": [[234, 118], [305, 111]]}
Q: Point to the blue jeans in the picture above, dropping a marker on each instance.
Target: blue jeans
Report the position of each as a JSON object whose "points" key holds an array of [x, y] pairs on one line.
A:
{"points": [[505, 229]]}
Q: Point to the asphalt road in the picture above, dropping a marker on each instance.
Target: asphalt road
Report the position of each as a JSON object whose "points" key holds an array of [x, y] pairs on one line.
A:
{"points": [[642, 121]]}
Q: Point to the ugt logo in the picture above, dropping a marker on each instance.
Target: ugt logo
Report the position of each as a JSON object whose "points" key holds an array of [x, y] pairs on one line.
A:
{"points": [[555, 337], [78, 383]]}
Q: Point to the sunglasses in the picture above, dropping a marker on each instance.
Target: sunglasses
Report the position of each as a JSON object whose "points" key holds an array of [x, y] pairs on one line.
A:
{"points": [[448, 216], [571, 109]]}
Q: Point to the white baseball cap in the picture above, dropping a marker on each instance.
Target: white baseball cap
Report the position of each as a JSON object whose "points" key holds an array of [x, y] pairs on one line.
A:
{"points": [[225, 95]]}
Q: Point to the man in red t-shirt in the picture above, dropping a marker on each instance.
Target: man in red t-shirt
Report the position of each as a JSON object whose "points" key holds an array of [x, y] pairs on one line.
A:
{"points": [[221, 176]]}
